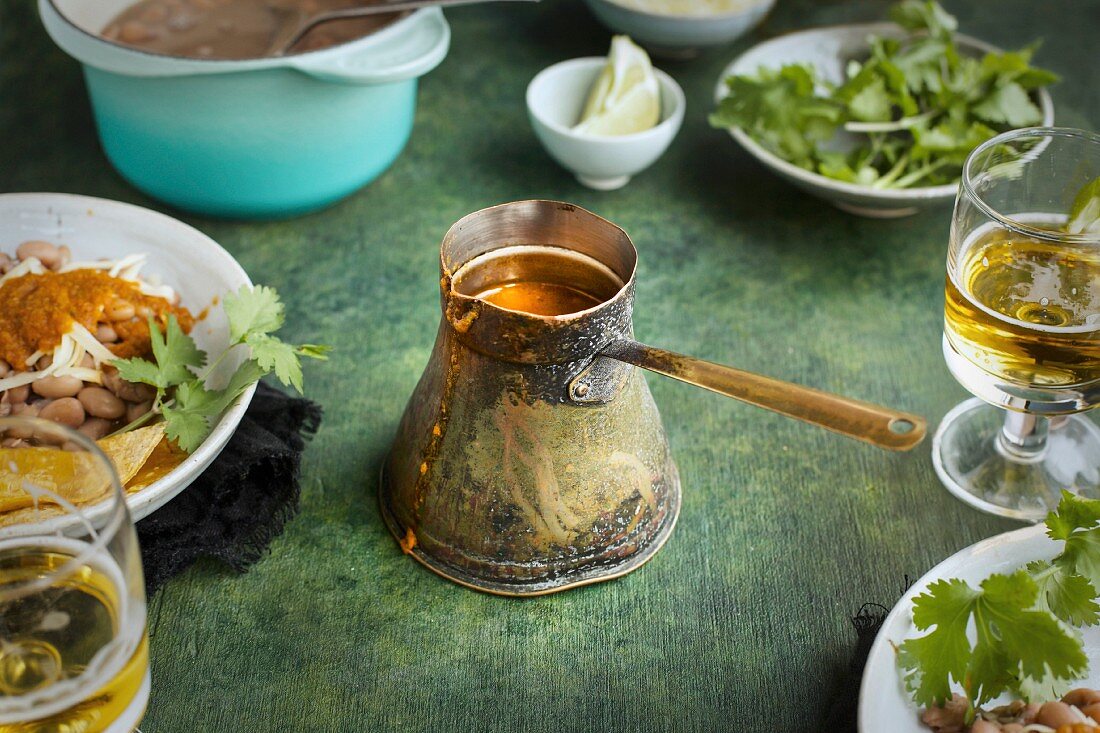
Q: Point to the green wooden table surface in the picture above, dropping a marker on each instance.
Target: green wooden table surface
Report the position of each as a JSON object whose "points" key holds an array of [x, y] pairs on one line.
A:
{"points": [[743, 618]]}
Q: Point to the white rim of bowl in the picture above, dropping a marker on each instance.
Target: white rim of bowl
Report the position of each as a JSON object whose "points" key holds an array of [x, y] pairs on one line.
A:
{"points": [[666, 82], [752, 6], [1046, 106], [1007, 221]]}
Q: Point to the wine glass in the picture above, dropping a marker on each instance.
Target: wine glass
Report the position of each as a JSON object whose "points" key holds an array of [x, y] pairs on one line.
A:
{"points": [[74, 651], [1022, 325]]}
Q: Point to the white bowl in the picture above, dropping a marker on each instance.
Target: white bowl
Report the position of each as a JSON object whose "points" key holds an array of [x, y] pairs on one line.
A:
{"points": [[183, 257], [555, 99], [680, 35], [829, 49]]}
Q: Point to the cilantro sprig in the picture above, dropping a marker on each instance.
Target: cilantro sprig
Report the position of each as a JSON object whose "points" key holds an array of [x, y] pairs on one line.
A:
{"points": [[916, 106], [1015, 632], [187, 403]]}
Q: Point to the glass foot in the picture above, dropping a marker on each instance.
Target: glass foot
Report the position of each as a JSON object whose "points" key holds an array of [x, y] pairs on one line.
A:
{"points": [[978, 461]]}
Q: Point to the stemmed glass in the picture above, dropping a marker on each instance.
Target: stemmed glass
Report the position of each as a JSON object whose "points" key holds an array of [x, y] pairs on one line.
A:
{"points": [[73, 646], [1022, 325]]}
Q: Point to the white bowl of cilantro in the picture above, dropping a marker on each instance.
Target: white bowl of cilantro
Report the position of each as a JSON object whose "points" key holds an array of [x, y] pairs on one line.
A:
{"points": [[878, 118]]}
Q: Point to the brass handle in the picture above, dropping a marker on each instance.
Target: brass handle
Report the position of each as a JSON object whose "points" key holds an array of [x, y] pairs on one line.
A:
{"points": [[861, 420]]}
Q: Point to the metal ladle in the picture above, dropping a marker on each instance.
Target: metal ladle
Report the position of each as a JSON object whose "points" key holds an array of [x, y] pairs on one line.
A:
{"points": [[299, 23]]}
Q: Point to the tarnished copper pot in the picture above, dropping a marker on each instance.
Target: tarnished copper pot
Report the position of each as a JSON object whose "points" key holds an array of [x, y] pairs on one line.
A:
{"points": [[524, 464]]}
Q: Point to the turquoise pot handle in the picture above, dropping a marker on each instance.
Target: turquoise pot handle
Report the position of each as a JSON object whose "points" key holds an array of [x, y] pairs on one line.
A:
{"points": [[412, 54]]}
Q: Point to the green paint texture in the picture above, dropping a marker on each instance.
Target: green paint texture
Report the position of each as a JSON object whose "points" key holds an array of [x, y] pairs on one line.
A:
{"points": [[742, 619]]}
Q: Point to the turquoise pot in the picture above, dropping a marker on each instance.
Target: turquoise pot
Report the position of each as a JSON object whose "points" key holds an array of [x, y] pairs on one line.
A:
{"points": [[263, 138]]}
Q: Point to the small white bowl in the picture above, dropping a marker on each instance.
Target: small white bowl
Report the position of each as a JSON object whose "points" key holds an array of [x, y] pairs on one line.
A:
{"points": [[183, 257], [680, 35], [555, 99], [829, 49]]}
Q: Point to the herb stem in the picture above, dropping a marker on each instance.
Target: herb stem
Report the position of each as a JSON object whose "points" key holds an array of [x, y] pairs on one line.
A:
{"points": [[905, 123]]}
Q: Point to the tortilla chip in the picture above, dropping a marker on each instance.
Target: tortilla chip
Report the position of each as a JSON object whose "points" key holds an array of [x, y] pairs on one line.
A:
{"points": [[129, 451], [163, 460], [44, 476], [39, 480]]}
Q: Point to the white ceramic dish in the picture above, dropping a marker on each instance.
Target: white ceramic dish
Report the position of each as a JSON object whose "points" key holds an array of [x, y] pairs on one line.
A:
{"points": [[555, 98], [183, 257], [829, 49], [680, 35], [883, 703]]}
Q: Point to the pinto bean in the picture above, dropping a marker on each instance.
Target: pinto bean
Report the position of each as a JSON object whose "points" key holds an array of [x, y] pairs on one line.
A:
{"points": [[106, 334], [95, 428], [22, 410], [1055, 713], [48, 254], [1012, 728], [134, 410], [18, 395], [5, 368], [55, 387], [1093, 711], [129, 391], [6, 263], [100, 402], [43, 362], [12, 442], [984, 726], [1081, 697], [67, 411], [120, 310], [66, 256]]}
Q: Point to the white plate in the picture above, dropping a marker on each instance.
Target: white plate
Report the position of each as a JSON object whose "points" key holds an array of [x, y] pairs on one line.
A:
{"points": [[884, 705], [828, 50], [181, 256]]}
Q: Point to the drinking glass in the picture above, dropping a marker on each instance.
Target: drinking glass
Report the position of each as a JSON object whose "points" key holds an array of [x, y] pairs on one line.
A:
{"points": [[73, 646], [1022, 326]]}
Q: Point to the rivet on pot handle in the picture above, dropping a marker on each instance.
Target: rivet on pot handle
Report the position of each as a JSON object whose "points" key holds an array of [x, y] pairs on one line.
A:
{"points": [[864, 421]]}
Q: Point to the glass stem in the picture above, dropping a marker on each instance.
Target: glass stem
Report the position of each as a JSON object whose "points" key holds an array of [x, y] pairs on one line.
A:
{"points": [[1023, 438]]}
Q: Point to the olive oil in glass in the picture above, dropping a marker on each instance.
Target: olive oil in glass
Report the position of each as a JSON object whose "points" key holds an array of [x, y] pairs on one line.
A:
{"points": [[68, 646], [1027, 310]]}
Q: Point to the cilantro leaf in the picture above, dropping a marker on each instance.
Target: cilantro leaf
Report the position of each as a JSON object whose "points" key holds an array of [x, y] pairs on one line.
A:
{"points": [[253, 311], [1009, 104], [931, 661], [1070, 597], [187, 428], [174, 351], [139, 370], [191, 407], [926, 15], [271, 354], [1012, 639], [1022, 641]]}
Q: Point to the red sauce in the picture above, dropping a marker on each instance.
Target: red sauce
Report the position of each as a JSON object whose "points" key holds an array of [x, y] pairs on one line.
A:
{"points": [[37, 310]]}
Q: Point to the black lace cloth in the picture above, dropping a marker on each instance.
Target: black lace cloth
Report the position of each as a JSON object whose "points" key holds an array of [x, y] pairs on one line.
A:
{"points": [[841, 714], [241, 502]]}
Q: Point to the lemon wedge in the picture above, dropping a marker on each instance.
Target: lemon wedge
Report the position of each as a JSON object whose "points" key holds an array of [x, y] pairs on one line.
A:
{"points": [[626, 97]]}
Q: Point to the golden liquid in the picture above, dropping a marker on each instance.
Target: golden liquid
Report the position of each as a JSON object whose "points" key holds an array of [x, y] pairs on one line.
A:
{"points": [[52, 636], [539, 298], [543, 280], [1026, 310]]}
